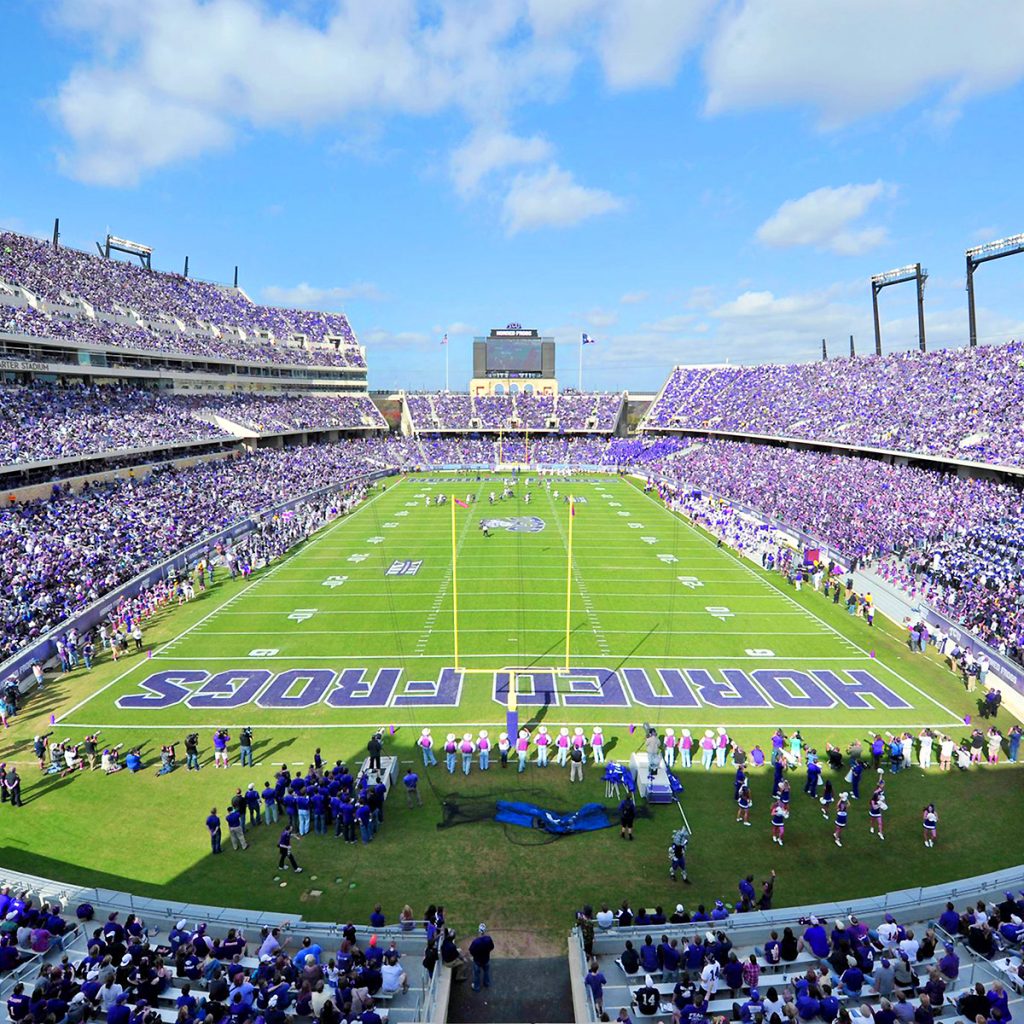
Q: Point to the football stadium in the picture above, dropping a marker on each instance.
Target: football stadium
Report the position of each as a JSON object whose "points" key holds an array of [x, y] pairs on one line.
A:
{"points": [[588, 667]]}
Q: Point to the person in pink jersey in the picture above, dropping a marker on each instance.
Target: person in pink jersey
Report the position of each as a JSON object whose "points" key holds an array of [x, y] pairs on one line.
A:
{"points": [[707, 749], [562, 743], [483, 745], [523, 748], [543, 741], [686, 749], [579, 742], [670, 748], [451, 748], [426, 745], [467, 748], [721, 747], [597, 744]]}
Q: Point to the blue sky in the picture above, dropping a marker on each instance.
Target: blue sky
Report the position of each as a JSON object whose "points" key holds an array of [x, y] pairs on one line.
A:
{"points": [[686, 180]]}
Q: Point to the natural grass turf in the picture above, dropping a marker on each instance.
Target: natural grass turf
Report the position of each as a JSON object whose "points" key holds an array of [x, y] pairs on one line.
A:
{"points": [[146, 835]]}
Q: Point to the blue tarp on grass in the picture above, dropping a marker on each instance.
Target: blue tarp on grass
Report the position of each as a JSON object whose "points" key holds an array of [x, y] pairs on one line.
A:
{"points": [[589, 818]]}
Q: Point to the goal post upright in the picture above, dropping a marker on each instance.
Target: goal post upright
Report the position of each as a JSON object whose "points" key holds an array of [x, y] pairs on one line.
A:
{"points": [[455, 587]]}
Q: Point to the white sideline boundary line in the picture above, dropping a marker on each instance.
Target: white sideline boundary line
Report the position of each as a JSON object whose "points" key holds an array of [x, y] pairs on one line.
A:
{"points": [[495, 723], [768, 662], [60, 719], [956, 718]]}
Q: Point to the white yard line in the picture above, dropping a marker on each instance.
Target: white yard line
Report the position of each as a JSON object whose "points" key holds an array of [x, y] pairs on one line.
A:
{"points": [[956, 718]]}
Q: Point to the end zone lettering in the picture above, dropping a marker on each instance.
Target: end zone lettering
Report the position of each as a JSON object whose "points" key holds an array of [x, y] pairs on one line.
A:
{"points": [[853, 689]]}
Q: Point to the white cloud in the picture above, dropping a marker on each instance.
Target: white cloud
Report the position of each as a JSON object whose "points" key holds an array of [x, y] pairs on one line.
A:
{"points": [[553, 198], [777, 52], [307, 296], [644, 41], [487, 151], [602, 318], [633, 298], [824, 218]]}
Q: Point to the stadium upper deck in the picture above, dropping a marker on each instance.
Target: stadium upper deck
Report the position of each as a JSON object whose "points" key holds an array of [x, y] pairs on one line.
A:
{"points": [[961, 403], [65, 294]]}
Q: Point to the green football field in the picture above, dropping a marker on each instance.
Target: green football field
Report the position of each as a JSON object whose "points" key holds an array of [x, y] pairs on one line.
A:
{"points": [[355, 630], [358, 628]]}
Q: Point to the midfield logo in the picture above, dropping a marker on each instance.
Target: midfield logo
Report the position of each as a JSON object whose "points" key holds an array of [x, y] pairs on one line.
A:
{"points": [[515, 524], [404, 567]]}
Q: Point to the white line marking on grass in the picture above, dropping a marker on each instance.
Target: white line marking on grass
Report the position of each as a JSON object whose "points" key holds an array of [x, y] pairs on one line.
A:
{"points": [[496, 722], [529, 611], [786, 597], [728, 659], [224, 604], [299, 634]]}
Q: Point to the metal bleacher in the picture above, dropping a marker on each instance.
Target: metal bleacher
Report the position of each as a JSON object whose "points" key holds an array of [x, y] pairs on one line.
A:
{"points": [[426, 999]]}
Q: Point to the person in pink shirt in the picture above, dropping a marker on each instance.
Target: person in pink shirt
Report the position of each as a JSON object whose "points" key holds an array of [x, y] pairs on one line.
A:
{"points": [[543, 741], [707, 749], [722, 747], [523, 748], [597, 744], [426, 745], [670, 748], [483, 744], [579, 741], [686, 749], [467, 748], [562, 742]]}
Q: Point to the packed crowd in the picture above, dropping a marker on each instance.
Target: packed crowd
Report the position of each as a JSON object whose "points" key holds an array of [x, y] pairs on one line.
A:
{"points": [[194, 317], [961, 403], [956, 542], [60, 554], [841, 972], [573, 411], [128, 976]]}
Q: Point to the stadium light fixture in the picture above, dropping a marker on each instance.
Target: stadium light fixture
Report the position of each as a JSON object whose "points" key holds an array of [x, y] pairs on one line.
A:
{"points": [[977, 255], [911, 272]]}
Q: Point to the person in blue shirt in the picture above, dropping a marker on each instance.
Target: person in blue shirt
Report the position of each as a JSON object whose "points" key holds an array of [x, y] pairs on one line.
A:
{"points": [[829, 1004], [377, 918], [269, 796], [719, 913], [363, 818], [119, 1012], [852, 979], [856, 771], [813, 777], [213, 825], [187, 1000], [649, 956], [807, 1007], [411, 782], [949, 920], [816, 937], [302, 809], [669, 956], [318, 804], [235, 830], [747, 893], [284, 849], [595, 981], [18, 1002], [752, 1008]]}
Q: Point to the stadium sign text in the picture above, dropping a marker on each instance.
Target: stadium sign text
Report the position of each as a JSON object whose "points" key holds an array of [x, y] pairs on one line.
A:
{"points": [[854, 689]]}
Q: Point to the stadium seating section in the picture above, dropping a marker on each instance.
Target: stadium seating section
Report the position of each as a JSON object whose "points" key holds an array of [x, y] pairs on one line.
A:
{"points": [[571, 411]]}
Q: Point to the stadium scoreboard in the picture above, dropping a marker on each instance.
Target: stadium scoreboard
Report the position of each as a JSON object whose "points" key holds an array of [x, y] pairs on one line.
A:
{"points": [[512, 352]]}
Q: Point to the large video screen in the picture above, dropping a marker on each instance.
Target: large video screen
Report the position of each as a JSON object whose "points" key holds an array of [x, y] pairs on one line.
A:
{"points": [[513, 355]]}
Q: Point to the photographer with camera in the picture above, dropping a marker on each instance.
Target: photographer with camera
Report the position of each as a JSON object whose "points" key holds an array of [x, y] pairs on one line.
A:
{"points": [[245, 741], [192, 751], [374, 748]]}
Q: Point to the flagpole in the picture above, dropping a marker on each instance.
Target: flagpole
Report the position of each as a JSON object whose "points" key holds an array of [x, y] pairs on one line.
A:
{"points": [[579, 386], [446, 363], [568, 583], [455, 588]]}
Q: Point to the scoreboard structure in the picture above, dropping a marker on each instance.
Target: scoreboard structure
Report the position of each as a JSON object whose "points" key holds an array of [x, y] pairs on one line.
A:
{"points": [[511, 360]]}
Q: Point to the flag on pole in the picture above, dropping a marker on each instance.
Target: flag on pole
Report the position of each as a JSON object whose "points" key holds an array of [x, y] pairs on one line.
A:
{"points": [[588, 340], [461, 504], [444, 340], [572, 508]]}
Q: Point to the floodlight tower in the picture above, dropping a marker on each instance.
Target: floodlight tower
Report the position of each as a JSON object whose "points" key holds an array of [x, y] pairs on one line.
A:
{"points": [[983, 254], [911, 272]]}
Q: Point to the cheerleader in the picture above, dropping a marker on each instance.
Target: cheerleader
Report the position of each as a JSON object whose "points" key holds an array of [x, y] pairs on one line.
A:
{"points": [[784, 794], [876, 806], [721, 747], [739, 781], [827, 799], [930, 821], [707, 749], [542, 743], [744, 803], [562, 743], [522, 749], [597, 745], [779, 816], [450, 752], [467, 748], [842, 814]]}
